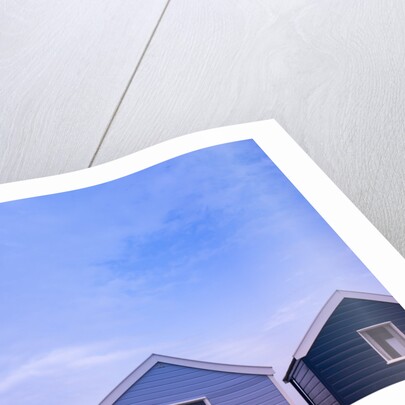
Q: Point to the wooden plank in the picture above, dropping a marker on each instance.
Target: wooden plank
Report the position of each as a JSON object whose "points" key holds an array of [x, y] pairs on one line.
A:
{"points": [[330, 72], [63, 68]]}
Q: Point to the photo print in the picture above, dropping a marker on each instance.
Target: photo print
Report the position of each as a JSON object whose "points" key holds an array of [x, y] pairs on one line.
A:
{"points": [[207, 278]]}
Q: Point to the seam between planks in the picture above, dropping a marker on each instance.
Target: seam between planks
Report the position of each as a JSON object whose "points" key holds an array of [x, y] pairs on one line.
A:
{"points": [[129, 84]]}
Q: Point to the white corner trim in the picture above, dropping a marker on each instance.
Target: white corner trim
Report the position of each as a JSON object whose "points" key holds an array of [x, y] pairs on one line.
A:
{"points": [[327, 310], [144, 367], [280, 389], [125, 384]]}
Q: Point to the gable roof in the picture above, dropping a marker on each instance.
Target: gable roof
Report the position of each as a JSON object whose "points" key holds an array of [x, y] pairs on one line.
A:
{"points": [[144, 367], [327, 310]]}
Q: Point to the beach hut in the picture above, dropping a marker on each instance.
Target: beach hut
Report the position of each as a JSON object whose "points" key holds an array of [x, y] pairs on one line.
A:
{"points": [[354, 347], [164, 380]]}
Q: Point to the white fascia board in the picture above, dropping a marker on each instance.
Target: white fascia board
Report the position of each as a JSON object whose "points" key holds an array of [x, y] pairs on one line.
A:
{"points": [[327, 310], [280, 389], [123, 386], [206, 365]]}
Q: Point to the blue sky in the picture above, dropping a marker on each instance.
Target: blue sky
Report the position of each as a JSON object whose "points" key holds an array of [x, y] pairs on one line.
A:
{"points": [[213, 255]]}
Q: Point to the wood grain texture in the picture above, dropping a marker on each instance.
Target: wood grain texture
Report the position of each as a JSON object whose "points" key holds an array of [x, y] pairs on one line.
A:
{"points": [[63, 68], [330, 72]]}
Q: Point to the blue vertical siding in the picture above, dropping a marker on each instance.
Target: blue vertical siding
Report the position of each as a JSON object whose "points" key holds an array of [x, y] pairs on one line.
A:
{"points": [[343, 361], [165, 384], [310, 384]]}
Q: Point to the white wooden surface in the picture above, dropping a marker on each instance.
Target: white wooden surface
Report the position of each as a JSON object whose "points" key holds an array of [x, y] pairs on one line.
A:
{"points": [[63, 68], [330, 72]]}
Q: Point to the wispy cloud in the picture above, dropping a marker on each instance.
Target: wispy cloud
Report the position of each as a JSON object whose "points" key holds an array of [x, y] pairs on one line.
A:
{"points": [[287, 314], [61, 361]]}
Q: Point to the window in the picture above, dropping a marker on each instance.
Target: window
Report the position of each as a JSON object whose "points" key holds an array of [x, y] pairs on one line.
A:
{"points": [[197, 401], [194, 403], [387, 340]]}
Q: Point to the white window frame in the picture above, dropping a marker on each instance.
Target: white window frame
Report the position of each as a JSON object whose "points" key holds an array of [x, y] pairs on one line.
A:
{"points": [[193, 401], [392, 328]]}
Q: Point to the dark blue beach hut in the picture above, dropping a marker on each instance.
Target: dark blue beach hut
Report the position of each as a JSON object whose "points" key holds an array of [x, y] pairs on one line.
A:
{"points": [[164, 380], [355, 346]]}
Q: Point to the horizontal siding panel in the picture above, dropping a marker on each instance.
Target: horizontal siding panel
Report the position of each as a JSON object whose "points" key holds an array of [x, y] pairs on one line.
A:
{"points": [[249, 396], [187, 379], [312, 386], [167, 383], [328, 334], [326, 341], [323, 397]]}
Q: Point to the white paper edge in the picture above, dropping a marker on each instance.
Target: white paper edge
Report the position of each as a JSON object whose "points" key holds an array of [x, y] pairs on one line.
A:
{"points": [[392, 395], [378, 255]]}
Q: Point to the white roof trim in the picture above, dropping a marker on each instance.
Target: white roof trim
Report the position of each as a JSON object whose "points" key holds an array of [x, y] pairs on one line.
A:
{"points": [[281, 389], [143, 368], [327, 311]]}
